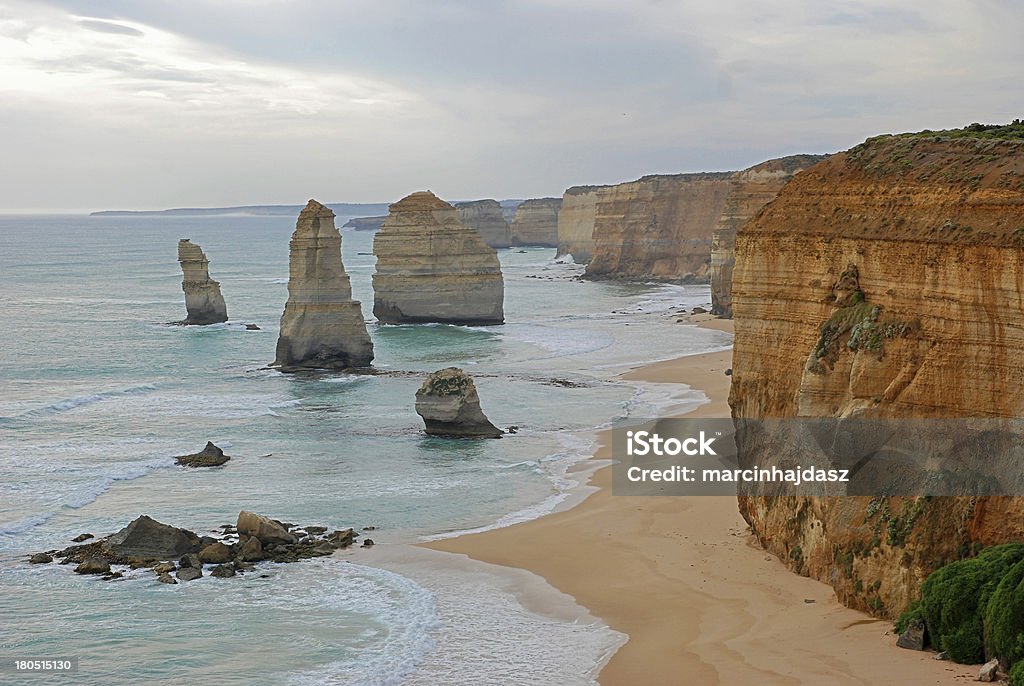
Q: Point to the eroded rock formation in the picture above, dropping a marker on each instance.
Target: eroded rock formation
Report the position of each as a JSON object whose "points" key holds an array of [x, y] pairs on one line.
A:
{"points": [[662, 227], [886, 281], [322, 326], [210, 456], [576, 222], [753, 188], [433, 268], [486, 218], [449, 405], [536, 222], [204, 303]]}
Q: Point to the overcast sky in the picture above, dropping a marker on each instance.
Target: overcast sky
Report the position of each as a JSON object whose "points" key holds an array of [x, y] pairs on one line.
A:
{"points": [[142, 104]]}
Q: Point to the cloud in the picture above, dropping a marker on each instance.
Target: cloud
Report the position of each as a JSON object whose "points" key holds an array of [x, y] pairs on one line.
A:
{"points": [[104, 26], [239, 100]]}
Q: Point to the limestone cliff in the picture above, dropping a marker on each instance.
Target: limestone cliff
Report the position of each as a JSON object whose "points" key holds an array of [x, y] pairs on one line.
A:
{"points": [[913, 244], [322, 326], [204, 303], [487, 219], [536, 222], [576, 222], [662, 227], [433, 268], [753, 188]]}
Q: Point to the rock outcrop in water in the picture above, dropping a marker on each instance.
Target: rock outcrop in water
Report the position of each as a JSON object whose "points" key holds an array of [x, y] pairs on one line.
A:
{"points": [[147, 543], [433, 268], [914, 244], [322, 326], [204, 303], [210, 456], [536, 222], [364, 223], [486, 218], [149, 539], [449, 405]]}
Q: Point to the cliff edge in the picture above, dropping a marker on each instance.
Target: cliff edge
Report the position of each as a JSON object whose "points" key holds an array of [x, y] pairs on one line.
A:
{"points": [[885, 281]]}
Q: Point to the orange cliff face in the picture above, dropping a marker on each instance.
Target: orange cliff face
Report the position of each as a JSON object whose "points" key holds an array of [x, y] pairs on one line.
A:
{"points": [[921, 240], [666, 227]]}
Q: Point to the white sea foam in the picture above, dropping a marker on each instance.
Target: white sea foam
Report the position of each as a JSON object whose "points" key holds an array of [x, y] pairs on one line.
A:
{"points": [[404, 612], [557, 468], [69, 404]]}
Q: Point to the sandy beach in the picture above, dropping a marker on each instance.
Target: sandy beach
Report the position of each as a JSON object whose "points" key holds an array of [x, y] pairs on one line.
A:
{"points": [[701, 602]]}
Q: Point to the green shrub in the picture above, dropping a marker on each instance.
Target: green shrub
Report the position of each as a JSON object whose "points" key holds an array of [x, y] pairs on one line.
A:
{"points": [[1004, 617], [913, 613], [954, 599], [1017, 675]]}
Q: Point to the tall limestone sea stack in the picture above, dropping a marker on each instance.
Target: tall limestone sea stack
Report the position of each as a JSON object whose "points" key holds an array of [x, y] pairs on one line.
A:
{"points": [[536, 222], [433, 268], [204, 303], [487, 219], [322, 326], [886, 281]]}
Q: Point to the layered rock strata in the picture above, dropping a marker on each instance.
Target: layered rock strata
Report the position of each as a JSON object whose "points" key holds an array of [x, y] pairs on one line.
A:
{"points": [[576, 222], [204, 303], [886, 281], [536, 222], [663, 227], [322, 326], [486, 218], [449, 405], [753, 188], [433, 268]]}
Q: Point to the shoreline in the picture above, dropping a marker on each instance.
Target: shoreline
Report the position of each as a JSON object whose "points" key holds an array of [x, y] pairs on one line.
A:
{"points": [[685, 580]]}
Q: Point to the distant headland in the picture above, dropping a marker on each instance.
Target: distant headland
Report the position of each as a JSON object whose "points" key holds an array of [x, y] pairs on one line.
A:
{"points": [[340, 208]]}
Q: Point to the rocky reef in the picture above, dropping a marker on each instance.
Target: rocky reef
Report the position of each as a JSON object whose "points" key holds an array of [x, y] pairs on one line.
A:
{"points": [[486, 218], [204, 303], [536, 222], [433, 268], [322, 326], [210, 456], [449, 405], [885, 281], [148, 544]]}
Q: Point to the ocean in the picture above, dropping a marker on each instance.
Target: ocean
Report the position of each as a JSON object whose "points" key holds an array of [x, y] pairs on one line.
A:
{"points": [[98, 393]]}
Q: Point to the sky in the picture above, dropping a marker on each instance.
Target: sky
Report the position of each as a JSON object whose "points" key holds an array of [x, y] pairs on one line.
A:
{"points": [[146, 104]]}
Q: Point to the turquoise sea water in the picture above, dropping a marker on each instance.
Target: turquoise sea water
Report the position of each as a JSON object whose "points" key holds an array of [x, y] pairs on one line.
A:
{"points": [[98, 393]]}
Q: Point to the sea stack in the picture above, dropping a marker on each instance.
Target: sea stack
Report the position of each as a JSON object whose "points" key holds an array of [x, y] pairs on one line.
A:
{"points": [[204, 303], [322, 326], [486, 218], [433, 268], [536, 222], [450, 406]]}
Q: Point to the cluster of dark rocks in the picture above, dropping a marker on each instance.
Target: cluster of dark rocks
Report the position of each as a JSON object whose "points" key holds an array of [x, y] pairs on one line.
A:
{"points": [[181, 555]]}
